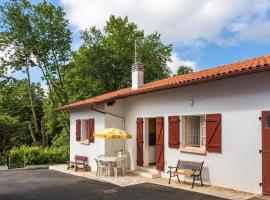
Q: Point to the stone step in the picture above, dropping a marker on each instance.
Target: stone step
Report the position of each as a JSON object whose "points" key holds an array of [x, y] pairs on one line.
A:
{"points": [[148, 173], [151, 170]]}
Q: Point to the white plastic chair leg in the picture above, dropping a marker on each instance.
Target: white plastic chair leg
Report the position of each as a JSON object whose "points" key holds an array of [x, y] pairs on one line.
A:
{"points": [[123, 170], [104, 171], [98, 172], [115, 172]]}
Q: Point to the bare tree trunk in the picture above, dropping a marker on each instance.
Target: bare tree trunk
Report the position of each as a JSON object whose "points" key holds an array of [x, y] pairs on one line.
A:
{"points": [[5, 138], [49, 85], [54, 87], [31, 100], [43, 134], [58, 69], [31, 133]]}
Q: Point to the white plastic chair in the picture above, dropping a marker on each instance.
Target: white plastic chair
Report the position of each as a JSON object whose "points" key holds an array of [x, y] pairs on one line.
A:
{"points": [[119, 164], [101, 167]]}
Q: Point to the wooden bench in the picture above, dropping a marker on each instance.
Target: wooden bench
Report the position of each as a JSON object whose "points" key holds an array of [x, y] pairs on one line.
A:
{"points": [[188, 168], [78, 161]]}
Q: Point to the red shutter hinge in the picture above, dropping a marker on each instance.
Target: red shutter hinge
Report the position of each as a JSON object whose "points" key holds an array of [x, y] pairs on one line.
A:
{"points": [[260, 118], [260, 151], [260, 184]]}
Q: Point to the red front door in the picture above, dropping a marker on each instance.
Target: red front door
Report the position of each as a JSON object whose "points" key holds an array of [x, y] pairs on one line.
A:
{"points": [[266, 152], [139, 141]]}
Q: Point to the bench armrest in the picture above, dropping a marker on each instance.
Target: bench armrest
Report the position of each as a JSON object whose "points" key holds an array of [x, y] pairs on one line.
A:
{"points": [[171, 168], [196, 172]]}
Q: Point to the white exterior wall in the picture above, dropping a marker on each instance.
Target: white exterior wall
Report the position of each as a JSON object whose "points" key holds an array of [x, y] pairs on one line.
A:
{"points": [[100, 146], [115, 145], [91, 150], [240, 101]]}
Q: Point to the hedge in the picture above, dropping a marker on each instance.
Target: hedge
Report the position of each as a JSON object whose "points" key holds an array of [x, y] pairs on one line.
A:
{"points": [[34, 155]]}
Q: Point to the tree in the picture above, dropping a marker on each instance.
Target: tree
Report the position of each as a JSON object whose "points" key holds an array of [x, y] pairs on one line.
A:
{"points": [[184, 70], [15, 112], [16, 39], [37, 36], [52, 52], [103, 62], [52, 49]]}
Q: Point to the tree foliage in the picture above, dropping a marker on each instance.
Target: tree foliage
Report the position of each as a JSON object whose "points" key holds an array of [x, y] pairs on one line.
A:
{"points": [[184, 70], [103, 62], [15, 112], [14, 100]]}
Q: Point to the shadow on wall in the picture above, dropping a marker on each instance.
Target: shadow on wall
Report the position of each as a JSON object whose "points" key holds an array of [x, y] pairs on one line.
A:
{"points": [[205, 177]]}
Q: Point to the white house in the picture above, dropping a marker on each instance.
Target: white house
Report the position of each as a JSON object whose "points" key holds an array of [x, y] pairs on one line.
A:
{"points": [[220, 116]]}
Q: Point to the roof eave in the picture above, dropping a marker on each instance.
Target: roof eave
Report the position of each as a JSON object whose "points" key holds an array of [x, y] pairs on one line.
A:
{"points": [[205, 79]]}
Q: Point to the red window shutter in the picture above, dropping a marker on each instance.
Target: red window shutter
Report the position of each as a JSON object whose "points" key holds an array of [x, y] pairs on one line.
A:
{"points": [[213, 133], [139, 141], [160, 143], [78, 130], [91, 129], [174, 131]]}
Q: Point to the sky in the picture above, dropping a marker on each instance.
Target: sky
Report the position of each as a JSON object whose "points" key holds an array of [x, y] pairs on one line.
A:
{"points": [[204, 33]]}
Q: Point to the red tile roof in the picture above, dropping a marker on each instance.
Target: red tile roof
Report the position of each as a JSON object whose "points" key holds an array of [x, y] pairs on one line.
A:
{"points": [[250, 66]]}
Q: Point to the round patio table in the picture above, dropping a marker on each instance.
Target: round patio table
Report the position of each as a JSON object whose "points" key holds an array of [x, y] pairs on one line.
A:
{"points": [[109, 160]]}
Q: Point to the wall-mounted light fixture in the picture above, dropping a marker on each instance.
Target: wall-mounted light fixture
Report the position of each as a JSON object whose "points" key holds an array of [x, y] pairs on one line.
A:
{"points": [[191, 102]]}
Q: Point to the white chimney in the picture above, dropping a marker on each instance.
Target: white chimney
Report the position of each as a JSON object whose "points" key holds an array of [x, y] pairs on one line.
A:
{"points": [[137, 75], [137, 72]]}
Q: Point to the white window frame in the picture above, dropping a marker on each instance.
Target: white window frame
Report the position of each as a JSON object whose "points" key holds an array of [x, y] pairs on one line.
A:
{"points": [[202, 139]]}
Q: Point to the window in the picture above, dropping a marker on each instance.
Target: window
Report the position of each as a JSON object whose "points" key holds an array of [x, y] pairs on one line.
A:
{"points": [[84, 131], [194, 131]]}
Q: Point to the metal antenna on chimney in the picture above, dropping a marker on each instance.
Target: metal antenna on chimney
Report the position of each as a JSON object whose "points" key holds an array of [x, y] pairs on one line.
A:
{"points": [[137, 65], [135, 53]]}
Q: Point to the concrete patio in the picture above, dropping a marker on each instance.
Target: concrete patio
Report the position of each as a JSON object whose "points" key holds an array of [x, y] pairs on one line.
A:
{"points": [[122, 181], [131, 179]]}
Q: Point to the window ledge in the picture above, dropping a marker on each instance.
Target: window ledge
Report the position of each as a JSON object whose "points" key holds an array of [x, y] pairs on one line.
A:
{"points": [[85, 142], [195, 150]]}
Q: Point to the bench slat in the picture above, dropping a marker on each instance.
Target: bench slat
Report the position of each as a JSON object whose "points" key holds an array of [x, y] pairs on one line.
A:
{"points": [[77, 157], [191, 161], [192, 165], [187, 172]]}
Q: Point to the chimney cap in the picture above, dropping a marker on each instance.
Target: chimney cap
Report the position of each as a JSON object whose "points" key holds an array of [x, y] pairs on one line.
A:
{"points": [[137, 66]]}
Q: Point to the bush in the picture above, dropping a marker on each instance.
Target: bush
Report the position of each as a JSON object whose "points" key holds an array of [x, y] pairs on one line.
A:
{"points": [[16, 158], [61, 140], [34, 155]]}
